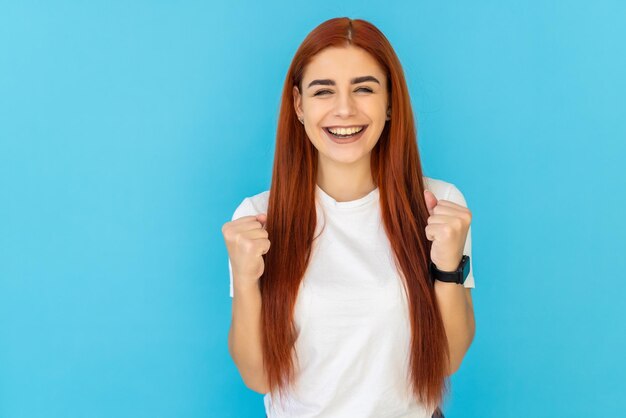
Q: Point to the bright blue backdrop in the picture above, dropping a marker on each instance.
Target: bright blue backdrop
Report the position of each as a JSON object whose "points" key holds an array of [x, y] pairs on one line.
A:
{"points": [[130, 131]]}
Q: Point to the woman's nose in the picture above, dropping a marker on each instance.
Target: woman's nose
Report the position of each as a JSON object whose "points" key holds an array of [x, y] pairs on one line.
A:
{"points": [[345, 105]]}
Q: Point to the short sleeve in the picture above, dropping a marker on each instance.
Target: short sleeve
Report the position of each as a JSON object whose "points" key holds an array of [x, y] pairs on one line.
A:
{"points": [[455, 196], [245, 208]]}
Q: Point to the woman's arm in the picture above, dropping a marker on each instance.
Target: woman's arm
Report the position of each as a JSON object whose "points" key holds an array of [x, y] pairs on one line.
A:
{"points": [[457, 312], [244, 336]]}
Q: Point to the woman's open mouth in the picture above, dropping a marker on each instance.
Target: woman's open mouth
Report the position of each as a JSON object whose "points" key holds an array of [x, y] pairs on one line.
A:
{"points": [[351, 134]]}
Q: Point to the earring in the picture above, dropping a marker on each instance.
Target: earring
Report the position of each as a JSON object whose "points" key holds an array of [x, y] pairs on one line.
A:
{"points": [[300, 119], [388, 114]]}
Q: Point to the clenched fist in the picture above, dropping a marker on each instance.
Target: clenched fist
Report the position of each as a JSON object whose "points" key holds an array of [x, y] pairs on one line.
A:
{"points": [[447, 228], [246, 241]]}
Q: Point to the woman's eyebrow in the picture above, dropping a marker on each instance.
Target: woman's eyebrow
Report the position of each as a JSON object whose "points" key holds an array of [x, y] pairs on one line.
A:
{"points": [[356, 80]]}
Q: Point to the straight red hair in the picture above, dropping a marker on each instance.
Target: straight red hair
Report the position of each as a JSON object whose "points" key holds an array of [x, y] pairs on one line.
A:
{"points": [[291, 217]]}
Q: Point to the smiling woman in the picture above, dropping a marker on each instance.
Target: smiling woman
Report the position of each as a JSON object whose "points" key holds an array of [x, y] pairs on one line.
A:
{"points": [[344, 118], [335, 310]]}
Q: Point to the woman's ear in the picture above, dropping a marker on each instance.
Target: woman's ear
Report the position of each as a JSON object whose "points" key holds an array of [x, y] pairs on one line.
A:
{"points": [[297, 101]]}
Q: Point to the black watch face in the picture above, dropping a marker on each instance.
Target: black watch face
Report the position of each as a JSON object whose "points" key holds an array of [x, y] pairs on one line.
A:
{"points": [[466, 269]]}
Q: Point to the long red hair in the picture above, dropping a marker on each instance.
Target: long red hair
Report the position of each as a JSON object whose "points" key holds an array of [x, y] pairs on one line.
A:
{"points": [[291, 217]]}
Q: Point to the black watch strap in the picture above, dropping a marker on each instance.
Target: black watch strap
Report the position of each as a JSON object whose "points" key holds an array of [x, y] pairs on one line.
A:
{"points": [[457, 276]]}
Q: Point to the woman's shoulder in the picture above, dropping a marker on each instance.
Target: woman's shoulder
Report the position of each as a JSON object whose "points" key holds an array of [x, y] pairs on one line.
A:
{"points": [[252, 205], [444, 190]]}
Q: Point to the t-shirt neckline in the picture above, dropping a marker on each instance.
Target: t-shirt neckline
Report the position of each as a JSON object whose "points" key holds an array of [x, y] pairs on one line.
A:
{"points": [[329, 201]]}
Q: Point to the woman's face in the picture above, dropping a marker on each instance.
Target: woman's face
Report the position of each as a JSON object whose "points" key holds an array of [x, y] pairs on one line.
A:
{"points": [[343, 87]]}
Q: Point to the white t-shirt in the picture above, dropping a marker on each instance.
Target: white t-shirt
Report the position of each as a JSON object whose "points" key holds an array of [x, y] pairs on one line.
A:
{"points": [[351, 314]]}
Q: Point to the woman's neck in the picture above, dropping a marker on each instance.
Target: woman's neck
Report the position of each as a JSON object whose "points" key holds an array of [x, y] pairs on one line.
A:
{"points": [[345, 182]]}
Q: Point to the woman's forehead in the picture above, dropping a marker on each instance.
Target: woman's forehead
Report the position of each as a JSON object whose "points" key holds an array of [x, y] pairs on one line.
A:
{"points": [[342, 64]]}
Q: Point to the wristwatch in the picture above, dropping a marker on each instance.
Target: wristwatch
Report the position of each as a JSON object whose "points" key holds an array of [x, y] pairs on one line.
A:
{"points": [[457, 276]]}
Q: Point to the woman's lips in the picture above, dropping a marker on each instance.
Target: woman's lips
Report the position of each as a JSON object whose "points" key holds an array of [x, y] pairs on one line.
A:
{"points": [[345, 140]]}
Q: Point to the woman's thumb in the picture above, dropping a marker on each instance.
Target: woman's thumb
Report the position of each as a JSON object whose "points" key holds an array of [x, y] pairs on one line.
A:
{"points": [[431, 201], [262, 217]]}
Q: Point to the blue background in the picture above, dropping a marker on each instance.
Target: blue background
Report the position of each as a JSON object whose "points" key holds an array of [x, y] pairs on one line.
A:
{"points": [[130, 131]]}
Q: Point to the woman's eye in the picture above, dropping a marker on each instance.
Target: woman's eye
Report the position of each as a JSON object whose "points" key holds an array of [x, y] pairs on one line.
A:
{"points": [[319, 93]]}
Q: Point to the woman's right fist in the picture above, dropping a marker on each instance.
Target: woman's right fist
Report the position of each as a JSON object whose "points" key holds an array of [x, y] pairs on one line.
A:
{"points": [[246, 241]]}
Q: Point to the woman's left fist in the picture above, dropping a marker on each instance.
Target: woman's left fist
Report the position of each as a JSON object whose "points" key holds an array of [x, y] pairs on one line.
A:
{"points": [[447, 228]]}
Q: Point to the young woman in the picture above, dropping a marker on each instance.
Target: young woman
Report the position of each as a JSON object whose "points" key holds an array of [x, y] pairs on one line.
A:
{"points": [[345, 303]]}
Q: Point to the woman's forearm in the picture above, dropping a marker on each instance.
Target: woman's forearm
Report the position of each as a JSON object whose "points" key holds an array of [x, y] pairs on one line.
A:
{"points": [[244, 337], [458, 319]]}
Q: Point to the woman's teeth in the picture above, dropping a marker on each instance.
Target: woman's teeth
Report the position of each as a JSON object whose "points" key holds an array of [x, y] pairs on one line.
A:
{"points": [[345, 132]]}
